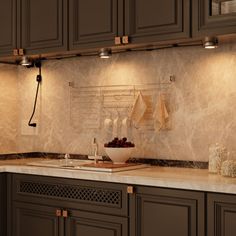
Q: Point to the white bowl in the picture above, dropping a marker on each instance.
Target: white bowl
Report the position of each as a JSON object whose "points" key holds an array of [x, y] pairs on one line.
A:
{"points": [[119, 155]]}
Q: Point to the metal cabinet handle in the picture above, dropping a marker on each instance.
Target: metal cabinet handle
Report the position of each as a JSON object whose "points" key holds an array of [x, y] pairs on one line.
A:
{"points": [[15, 52], [130, 189], [58, 213], [117, 40], [125, 39], [21, 52], [65, 213]]}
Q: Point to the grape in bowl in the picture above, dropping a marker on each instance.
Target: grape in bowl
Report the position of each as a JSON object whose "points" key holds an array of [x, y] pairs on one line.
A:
{"points": [[119, 150]]}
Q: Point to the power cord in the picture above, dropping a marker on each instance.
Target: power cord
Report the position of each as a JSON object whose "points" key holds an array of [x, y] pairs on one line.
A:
{"points": [[39, 80]]}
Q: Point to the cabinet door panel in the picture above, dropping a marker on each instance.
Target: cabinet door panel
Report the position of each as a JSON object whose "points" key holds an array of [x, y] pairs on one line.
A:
{"points": [[3, 203], [36, 220], [90, 224], [221, 215], [43, 26], [93, 23], [7, 27], [155, 20], [165, 212], [207, 21]]}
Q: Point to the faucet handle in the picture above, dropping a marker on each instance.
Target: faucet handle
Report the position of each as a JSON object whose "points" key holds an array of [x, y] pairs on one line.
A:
{"points": [[67, 156]]}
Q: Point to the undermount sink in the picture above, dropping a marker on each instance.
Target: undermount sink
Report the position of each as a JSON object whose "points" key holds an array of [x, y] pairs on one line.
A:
{"points": [[61, 163], [88, 165]]}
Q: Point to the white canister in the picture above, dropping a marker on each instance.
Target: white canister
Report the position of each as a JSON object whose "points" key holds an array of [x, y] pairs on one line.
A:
{"points": [[217, 155]]}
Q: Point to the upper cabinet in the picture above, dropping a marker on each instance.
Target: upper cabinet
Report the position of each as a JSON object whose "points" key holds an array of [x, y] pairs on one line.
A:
{"points": [[34, 27], [94, 23], [43, 26], [152, 20], [7, 27], [214, 17]]}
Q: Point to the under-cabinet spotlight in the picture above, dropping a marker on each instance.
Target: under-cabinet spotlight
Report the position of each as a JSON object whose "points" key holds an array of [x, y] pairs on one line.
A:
{"points": [[25, 61], [105, 53], [210, 43]]}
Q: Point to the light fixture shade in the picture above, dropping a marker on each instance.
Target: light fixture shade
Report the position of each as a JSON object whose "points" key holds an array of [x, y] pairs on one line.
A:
{"points": [[25, 61], [210, 43], [105, 53]]}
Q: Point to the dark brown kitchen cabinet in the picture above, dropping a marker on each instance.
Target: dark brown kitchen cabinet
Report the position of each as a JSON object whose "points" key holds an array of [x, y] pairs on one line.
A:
{"points": [[94, 23], [37, 220], [66, 207], [42, 26], [157, 20], [3, 203], [7, 27], [90, 224], [166, 212], [221, 215], [214, 17]]}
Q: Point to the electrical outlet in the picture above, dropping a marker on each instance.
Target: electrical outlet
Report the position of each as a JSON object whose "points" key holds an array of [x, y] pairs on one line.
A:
{"points": [[28, 130]]}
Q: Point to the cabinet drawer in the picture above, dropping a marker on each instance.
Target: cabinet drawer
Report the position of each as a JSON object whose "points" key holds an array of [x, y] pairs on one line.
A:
{"points": [[78, 194]]}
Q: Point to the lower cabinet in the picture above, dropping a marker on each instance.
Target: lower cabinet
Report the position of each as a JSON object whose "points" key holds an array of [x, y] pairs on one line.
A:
{"points": [[91, 224], [164, 212], [47, 206], [37, 220], [3, 208], [221, 215]]}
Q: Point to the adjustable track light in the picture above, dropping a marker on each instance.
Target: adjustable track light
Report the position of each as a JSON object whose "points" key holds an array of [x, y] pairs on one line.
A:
{"points": [[105, 53], [25, 61], [210, 43]]}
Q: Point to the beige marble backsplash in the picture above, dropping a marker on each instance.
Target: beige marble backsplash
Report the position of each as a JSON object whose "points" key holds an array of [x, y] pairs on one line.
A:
{"points": [[201, 103], [9, 109]]}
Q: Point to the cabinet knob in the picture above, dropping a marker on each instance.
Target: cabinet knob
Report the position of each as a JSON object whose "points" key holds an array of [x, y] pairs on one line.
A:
{"points": [[21, 52], [130, 189], [65, 213], [125, 39], [58, 213], [117, 40], [15, 52]]}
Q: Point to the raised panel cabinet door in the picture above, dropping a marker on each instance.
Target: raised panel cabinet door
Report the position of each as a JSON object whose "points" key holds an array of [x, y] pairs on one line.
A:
{"points": [[81, 223], [35, 220], [162, 212], [221, 215], [214, 17], [94, 23], [157, 20], [3, 203], [43, 26], [7, 27]]}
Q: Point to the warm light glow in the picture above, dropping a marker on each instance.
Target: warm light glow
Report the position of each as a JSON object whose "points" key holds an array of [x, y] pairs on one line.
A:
{"points": [[105, 53], [25, 61], [210, 43]]}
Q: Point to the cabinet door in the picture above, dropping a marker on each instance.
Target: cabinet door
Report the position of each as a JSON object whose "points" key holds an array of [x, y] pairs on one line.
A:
{"points": [[94, 23], [35, 220], [156, 20], [91, 224], [214, 17], [221, 215], [162, 212], [3, 203], [7, 27], [43, 26]]}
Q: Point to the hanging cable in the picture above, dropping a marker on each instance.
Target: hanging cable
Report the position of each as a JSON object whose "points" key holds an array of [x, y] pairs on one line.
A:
{"points": [[38, 79]]}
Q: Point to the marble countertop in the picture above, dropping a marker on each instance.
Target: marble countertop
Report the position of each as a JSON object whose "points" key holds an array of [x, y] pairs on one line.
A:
{"points": [[169, 177]]}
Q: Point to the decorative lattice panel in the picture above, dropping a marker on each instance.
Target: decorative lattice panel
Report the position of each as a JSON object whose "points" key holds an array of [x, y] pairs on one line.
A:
{"points": [[82, 193]]}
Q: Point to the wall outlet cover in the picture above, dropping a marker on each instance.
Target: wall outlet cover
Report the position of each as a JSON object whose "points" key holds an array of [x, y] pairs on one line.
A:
{"points": [[28, 130]]}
